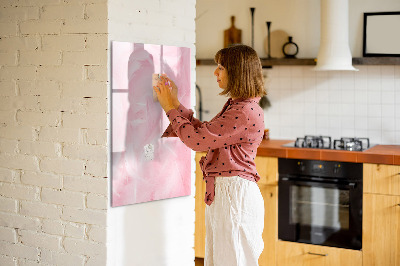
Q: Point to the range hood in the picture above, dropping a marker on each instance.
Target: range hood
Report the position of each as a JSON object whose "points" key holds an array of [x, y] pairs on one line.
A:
{"points": [[334, 51]]}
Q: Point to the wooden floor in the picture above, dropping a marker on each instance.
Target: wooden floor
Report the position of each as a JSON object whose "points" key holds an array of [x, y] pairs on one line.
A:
{"points": [[199, 262]]}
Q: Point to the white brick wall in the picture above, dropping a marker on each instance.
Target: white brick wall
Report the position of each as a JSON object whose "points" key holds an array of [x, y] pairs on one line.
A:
{"points": [[53, 121]]}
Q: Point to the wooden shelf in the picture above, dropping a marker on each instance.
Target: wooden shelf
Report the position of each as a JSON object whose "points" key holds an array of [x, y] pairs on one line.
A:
{"points": [[312, 61]]}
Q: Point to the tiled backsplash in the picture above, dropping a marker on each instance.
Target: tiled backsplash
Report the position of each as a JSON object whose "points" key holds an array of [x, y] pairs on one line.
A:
{"points": [[338, 104]]}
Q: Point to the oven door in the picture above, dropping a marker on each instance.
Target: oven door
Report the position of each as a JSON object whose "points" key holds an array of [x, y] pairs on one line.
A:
{"points": [[321, 212]]}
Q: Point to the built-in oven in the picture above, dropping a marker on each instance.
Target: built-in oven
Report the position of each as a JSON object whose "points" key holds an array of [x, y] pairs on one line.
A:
{"points": [[320, 202]]}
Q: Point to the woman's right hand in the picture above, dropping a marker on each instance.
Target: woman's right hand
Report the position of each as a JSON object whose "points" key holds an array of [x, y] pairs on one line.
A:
{"points": [[174, 90]]}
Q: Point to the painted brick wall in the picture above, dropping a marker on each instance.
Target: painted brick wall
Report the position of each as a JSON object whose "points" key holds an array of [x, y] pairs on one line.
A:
{"points": [[53, 137]]}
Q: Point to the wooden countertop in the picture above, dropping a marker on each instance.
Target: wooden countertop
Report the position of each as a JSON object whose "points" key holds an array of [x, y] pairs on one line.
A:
{"points": [[379, 154]]}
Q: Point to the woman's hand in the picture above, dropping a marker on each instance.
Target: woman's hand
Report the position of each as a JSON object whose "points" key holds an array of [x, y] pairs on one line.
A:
{"points": [[164, 94], [174, 90]]}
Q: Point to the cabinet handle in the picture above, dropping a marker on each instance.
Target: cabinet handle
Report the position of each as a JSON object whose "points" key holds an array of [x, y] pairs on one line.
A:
{"points": [[318, 254]]}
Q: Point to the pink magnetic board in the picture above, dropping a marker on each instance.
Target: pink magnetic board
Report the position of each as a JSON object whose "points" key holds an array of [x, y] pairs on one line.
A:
{"points": [[146, 167]]}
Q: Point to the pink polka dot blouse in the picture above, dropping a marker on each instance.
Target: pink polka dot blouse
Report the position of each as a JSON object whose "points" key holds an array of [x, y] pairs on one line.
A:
{"points": [[231, 139]]}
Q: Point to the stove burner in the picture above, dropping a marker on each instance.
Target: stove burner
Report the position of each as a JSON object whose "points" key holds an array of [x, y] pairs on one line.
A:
{"points": [[322, 142], [351, 144]]}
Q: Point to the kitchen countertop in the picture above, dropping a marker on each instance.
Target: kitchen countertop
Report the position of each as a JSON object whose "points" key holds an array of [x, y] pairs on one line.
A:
{"points": [[379, 154]]}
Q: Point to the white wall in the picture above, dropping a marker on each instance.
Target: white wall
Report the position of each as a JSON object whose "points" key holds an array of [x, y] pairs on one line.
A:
{"points": [[299, 18], [160, 232], [338, 104]]}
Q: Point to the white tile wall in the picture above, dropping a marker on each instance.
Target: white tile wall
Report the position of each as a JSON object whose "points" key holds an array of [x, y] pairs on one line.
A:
{"points": [[338, 104]]}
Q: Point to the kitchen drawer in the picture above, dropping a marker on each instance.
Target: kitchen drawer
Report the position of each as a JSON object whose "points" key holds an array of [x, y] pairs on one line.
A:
{"points": [[298, 254], [381, 179]]}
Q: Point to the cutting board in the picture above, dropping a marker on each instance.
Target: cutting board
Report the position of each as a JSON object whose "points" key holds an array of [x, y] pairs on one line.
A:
{"points": [[232, 35]]}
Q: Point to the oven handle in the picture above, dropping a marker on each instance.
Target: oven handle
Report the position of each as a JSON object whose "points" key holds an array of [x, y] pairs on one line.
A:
{"points": [[297, 181]]}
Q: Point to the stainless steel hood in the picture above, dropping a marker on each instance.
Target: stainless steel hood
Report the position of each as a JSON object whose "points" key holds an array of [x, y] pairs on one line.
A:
{"points": [[334, 52]]}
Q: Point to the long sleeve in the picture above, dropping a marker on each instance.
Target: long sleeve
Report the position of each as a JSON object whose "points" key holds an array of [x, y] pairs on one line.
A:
{"points": [[222, 131], [186, 113]]}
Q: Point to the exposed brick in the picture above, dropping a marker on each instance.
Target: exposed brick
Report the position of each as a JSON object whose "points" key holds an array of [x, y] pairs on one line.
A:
{"points": [[97, 234], [16, 132], [86, 184], [7, 117], [19, 43], [41, 179], [84, 26], [18, 72], [85, 152], [85, 121], [84, 216], [7, 88], [7, 175], [40, 27], [39, 118], [87, 57], [97, 11], [97, 260], [98, 42], [98, 169], [26, 103], [60, 73], [19, 251], [35, 239], [19, 13], [40, 58], [38, 209], [8, 261], [63, 197], [75, 230], [60, 258], [17, 191], [62, 12], [8, 58], [62, 166], [98, 73], [8, 146], [7, 204], [19, 221], [68, 135], [39, 87], [84, 247], [38, 148], [96, 136], [17, 161], [8, 234], [85, 89], [26, 262], [53, 227], [64, 42], [62, 104]]}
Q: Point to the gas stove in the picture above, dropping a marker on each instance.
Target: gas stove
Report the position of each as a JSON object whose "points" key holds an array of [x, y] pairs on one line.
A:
{"points": [[325, 142]]}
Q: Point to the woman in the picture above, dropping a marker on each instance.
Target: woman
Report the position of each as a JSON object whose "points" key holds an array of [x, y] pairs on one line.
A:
{"points": [[235, 207]]}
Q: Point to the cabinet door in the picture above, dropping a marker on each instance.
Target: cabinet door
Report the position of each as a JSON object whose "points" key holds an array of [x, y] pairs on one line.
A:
{"points": [[267, 168], [297, 254], [200, 207], [381, 230], [381, 179], [270, 233]]}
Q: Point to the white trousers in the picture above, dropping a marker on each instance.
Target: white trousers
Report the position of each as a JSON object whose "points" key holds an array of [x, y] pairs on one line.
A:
{"points": [[234, 223]]}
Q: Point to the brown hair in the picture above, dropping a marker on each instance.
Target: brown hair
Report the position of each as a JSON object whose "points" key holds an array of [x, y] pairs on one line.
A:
{"points": [[245, 78]]}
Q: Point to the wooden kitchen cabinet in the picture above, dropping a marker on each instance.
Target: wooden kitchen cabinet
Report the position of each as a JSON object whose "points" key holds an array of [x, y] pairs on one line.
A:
{"points": [[267, 167], [381, 230], [298, 254], [381, 215], [381, 179], [200, 207]]}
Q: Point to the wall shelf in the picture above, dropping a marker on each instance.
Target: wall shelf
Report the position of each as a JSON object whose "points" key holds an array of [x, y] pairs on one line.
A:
{"points": [[312, 61]]}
